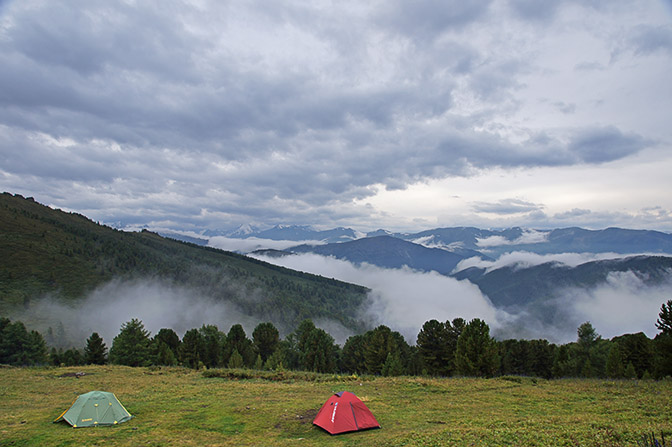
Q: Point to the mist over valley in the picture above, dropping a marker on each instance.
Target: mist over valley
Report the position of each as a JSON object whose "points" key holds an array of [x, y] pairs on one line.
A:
{"points": [[70, 275]]}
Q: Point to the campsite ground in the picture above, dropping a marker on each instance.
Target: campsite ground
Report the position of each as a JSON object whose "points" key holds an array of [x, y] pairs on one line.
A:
{"points": [[176, 406]]}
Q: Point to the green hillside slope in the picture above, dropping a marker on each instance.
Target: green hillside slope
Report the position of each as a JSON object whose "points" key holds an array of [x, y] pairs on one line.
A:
{"points": [[65, 255]]}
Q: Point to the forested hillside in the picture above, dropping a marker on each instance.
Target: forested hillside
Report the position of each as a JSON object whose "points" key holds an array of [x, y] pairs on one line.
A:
{"points": [[65, 255]]}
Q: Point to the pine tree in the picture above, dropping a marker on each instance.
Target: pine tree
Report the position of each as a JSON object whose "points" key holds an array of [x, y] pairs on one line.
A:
{"points": [[614, 363], [276, 361], [164, 355], [433, 348], [664, 322], [265, 338], [37, 349], [236, 360], [352, 356], [630, 372], [392, 365], [131, 346], [258, 364], [213, 346], [95, 352], [236, 340], [169, 338], [476, 353], [380, 342], [191, 348]]}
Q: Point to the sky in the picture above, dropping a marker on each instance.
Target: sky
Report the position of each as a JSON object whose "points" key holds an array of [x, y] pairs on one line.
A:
{"points": [[381, 114]]}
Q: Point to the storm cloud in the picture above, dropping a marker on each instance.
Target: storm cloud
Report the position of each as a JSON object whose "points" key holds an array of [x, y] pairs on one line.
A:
{"points": [[207, 114]]}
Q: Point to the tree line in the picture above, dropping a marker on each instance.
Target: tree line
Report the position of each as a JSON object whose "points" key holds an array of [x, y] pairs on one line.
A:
{"points": [[442, 349]]}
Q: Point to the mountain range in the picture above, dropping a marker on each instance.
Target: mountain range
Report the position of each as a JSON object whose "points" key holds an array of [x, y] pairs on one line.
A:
{"points": [[48, 252]]}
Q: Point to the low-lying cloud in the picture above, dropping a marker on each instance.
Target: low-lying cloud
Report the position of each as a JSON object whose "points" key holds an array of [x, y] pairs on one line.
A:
{"points": [[158, 304], [527, 237], [524, 259], [402, 299], [623, 304]]}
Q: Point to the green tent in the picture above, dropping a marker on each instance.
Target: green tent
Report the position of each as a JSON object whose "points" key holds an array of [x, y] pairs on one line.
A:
{"points": [[93, 409]]}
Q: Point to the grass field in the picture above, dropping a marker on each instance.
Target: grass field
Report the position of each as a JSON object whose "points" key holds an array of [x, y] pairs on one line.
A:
{"points": [[175, 406]]}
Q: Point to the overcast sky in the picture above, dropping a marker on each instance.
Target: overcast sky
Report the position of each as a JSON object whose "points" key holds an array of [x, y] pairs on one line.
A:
{"points": [[405, 115]]}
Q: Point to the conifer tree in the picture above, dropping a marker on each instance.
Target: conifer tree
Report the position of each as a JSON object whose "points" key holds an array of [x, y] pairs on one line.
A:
{"points": [[392, 365], [95, 352], [236, 360], [664, 322], [212, 354], [191, 348], [258, 363], [265, 338], [476, 353], [630, 372], [614, 362], [433, 348], [131, 346]]}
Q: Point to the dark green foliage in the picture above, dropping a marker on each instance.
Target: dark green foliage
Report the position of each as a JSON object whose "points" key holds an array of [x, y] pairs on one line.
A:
{"points": [[638, 350], [163, 355], [237, 341], [433, 348], [20, 347], [312, 349], [352, 356], [615, 369], [663, 357], [265, 338], [527, 358], [630, 372], [393, 365], [235, 360], [131, 346], [664, 322], [258, 363], [191, 348], [278, 360], [320, 353], [476, 353], [165, 347], [212, 354], [95, 352], [436, 345], [72, 357], [169, 338], [380, 342]]}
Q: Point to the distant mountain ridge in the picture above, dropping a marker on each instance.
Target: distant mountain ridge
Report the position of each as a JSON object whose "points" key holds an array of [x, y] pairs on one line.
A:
{"points": [[514, 287], [475, 241], [387, 252], [297, 233]]}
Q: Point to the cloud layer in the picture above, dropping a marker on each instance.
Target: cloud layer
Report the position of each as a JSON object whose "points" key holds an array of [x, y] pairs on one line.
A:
{"points": [[212, 114]]}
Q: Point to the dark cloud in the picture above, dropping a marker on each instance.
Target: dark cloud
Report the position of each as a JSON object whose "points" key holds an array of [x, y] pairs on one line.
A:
{"points": [[535, 10], [220, 112], [428, 19], [599, 145]]}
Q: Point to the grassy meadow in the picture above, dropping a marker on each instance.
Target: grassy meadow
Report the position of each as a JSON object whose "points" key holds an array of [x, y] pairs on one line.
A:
{"points": [[176, 406]]}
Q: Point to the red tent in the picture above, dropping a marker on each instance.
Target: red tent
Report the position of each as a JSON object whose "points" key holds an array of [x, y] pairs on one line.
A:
{"points": [[344, 412]]}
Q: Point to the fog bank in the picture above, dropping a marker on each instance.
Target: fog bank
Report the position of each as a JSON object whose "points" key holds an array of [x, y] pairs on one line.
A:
{"points": [[402, 299], [156, 303]]}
